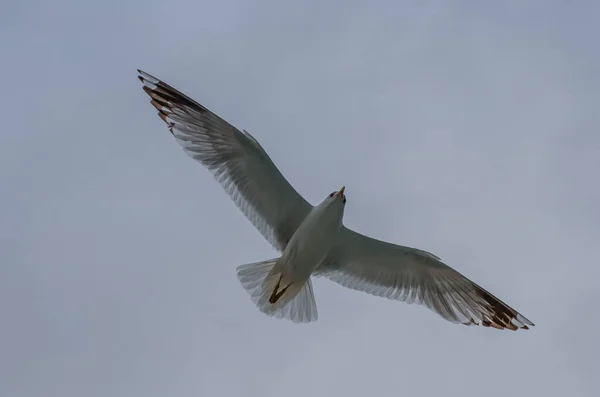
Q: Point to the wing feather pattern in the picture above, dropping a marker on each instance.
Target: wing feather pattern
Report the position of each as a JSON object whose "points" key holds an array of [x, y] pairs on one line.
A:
{"points": [[414, 276], [237, 161]]}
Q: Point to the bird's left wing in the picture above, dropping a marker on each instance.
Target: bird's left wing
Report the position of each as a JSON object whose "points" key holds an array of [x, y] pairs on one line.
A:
{"points": [[237, 161], [415, 276]]}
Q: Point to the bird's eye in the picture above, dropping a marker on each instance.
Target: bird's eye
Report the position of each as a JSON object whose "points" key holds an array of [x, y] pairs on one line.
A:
{"points": [[344, 199], [332, 193]]}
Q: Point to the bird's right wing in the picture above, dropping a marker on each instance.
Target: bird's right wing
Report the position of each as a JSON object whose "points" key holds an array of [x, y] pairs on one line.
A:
{"points": [[236, 159], [415, 276]]}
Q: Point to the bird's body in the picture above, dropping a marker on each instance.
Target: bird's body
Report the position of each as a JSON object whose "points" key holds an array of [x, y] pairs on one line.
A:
{"points": [[312, 240], [284, 283]]}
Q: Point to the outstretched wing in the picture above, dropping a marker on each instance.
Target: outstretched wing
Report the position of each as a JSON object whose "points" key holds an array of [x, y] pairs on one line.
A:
{"points": [[236, 159], [415, 276]]}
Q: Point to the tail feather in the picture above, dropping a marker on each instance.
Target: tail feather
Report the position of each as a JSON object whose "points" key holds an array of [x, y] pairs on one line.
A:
{"points": [[265, 284]]}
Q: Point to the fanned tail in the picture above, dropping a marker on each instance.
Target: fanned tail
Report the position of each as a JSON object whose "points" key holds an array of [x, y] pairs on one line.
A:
{"points": [[273, 295]]}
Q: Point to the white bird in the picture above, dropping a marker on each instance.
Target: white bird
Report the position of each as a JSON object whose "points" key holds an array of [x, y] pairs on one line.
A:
{"points": [[312, 240]]}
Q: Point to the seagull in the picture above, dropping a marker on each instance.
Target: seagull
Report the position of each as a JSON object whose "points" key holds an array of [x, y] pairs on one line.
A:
{"points": [[312, 241]]}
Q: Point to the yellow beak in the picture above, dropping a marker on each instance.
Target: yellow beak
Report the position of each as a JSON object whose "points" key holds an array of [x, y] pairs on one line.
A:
{"points": [[340, 193]]}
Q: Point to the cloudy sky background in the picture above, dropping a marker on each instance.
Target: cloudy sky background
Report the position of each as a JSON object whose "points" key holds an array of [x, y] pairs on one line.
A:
{"points": [[469, 129]]}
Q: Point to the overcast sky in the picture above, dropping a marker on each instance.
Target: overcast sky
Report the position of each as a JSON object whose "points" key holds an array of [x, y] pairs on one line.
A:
{"points": [[469, 129]]}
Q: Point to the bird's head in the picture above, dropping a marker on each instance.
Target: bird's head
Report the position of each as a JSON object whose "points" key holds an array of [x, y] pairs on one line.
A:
{"points": [[332, 207], [337, 196]]}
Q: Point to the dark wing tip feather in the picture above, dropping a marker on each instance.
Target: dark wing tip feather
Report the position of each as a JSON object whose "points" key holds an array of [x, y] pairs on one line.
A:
{"points": [[164, 98], [161, 89], [157, 105], [147, 89], [499, 314]]}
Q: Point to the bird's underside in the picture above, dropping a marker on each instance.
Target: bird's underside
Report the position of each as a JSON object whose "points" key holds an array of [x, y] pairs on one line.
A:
{"points": [[247, 173]]}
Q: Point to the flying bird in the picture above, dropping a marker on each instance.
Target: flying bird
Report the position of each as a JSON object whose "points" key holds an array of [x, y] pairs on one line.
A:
{"points": [[312, 240]]}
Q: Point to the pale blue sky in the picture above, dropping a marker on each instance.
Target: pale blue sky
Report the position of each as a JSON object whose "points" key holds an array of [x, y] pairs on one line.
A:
{"points": [[469, 129]]}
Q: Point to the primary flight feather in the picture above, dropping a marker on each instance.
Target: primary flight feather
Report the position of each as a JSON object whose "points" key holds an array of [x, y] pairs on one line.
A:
{"points": [[312, 240]]}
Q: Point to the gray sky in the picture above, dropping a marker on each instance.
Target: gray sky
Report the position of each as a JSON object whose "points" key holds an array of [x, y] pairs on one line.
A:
{"points": [[469, 129]]}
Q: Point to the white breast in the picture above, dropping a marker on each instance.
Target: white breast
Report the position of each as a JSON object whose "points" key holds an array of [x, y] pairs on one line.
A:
{"points": [[312, 241]]}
